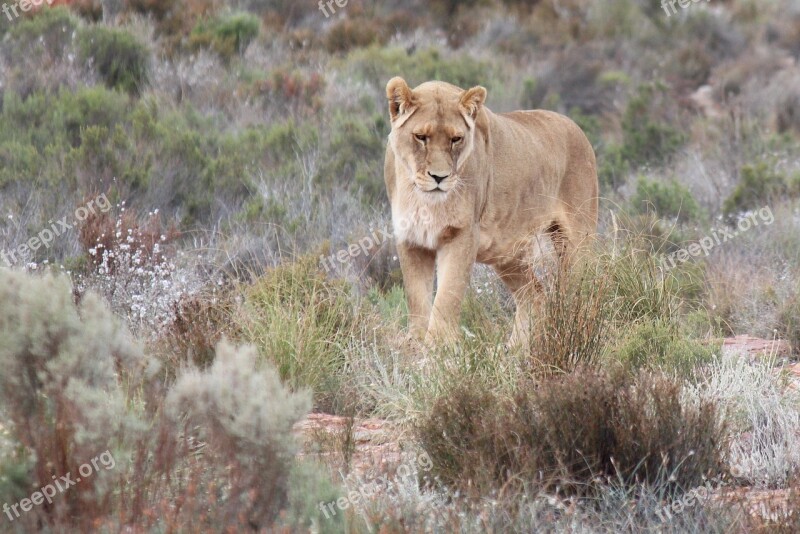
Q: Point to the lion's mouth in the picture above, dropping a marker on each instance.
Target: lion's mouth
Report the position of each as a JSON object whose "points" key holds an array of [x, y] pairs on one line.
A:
{"points": [[440, 188], [436, 191]]}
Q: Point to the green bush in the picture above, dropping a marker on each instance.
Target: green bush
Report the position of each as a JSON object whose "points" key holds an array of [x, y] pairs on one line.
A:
{"points": [[648, 135], [45, 120], [660, 344], [120, 59], [581, 309], [301, 322], [378, 65], [670, 199], [356, 153], [227, 35], [760, 184], [612, 168], [308, 487], [641, 288], [16, 465], [50, 31], [95, 138]]}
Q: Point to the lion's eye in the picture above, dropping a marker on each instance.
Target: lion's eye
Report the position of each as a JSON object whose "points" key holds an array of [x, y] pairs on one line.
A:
{"points": [[456, 140], [421, 137]]}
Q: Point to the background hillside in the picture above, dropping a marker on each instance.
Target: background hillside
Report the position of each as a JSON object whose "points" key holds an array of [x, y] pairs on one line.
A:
{"points": [[207, 170]]}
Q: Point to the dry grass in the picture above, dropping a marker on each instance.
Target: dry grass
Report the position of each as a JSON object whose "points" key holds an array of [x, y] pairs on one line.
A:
{"points": [[254, 142]]}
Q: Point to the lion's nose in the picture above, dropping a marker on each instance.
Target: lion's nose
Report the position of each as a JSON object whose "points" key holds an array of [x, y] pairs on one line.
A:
{"points": [[438, 177]]}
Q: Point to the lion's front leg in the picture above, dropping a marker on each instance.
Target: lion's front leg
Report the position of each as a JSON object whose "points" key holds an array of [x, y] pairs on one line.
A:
{"points": [[418, 266], [454, 269]]}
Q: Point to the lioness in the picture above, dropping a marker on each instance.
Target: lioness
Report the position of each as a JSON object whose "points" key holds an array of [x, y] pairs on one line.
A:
{"points": [[468, 185]]}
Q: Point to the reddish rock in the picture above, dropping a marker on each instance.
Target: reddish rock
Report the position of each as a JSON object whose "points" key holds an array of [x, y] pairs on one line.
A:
{"points": [[375, 446], [762, 505], [754, 346]]}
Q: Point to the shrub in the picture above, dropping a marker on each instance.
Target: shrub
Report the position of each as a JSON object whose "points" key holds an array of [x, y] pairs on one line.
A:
{"points": [[294, 89], [120, 59], [642, 290], [659, 344], [612, 168], [759, 185], [50, 31], [669, 199], [130, 265], [63, 365], [648, 135], [308, 487], [762, 415], [789, 317], [158, 8], [348, 34], [575, 316], [581, 307], [378, 65], [573, 433], [301, 323], [357, 154], [245, 415], [461, 436], [227, 35], [198, 324]]}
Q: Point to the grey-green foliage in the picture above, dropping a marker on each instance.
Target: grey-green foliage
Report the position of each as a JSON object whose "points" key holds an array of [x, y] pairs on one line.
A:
{"points": [[308, 487], [60, 386], [48, 33], [249, 405], [246, 415], [228, 35], [668, 199], [121, 59], [659, 343]]}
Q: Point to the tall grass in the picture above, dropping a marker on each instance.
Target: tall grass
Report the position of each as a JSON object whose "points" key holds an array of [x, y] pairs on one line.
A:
{"points": [[302, 323]]}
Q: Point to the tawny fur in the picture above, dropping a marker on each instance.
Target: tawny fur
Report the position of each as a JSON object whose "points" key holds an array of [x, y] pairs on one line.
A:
{"points": [[468, 185]]}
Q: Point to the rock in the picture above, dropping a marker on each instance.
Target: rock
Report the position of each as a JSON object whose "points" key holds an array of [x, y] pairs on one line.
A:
{"points": [[764, 506], [703, 100], [374, 445], [757, 347]]}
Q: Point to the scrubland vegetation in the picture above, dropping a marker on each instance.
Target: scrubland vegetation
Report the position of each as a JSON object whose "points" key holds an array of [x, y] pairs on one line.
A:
{"points": [[187, 329]]}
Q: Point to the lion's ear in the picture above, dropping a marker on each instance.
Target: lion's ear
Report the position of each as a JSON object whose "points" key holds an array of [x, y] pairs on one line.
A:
{"points": [[472, 100], [400, 97]]}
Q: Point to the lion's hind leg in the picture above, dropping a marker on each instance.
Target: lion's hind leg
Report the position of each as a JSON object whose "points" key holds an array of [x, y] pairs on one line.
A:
{"points": [[519, 278]]}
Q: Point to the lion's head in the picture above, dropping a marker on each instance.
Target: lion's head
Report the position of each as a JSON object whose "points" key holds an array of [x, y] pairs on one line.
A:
{"points": [[433, 131]]}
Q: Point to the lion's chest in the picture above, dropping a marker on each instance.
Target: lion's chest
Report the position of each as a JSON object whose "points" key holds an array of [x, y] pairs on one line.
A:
{"points": [[419, 226]]}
